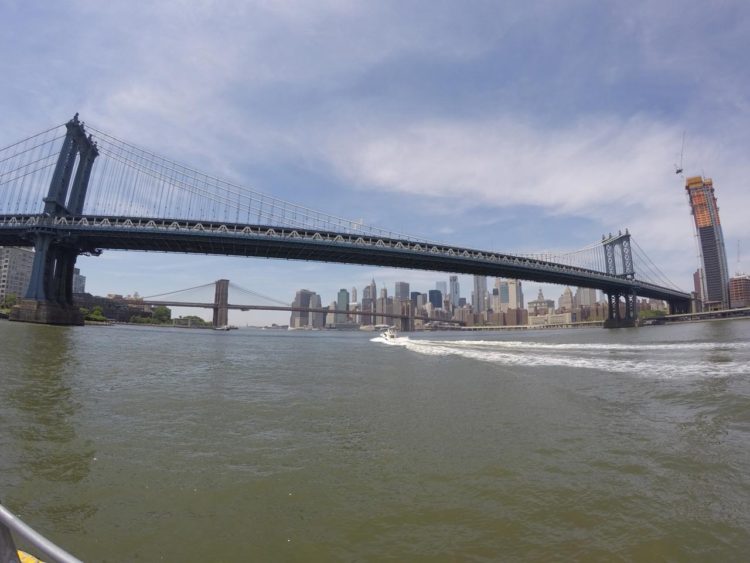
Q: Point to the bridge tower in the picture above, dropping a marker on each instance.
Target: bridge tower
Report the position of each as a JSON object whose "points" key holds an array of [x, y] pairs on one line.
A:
{"points": [[221, 299], [49, 298], [619, 262]]}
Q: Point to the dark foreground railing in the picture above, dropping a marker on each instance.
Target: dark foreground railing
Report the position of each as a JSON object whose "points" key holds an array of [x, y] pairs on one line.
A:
{"points": [[43, 548]]}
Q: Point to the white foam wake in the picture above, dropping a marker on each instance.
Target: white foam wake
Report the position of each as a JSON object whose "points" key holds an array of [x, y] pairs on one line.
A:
{"points": [[647, 360]]}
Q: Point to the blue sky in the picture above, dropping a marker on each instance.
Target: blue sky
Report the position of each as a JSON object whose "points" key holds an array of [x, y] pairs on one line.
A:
{"points": [[515, 127]]}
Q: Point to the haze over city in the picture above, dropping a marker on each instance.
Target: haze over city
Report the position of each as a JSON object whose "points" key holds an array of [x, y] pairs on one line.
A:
{"points": [[517, 129]]}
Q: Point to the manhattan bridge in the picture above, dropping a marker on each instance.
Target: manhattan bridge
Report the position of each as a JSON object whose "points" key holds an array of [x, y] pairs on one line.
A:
{"points": [[75, 189]]}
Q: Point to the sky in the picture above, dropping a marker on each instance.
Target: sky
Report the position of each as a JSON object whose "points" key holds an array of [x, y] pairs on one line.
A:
{"points": [[516, 127]]}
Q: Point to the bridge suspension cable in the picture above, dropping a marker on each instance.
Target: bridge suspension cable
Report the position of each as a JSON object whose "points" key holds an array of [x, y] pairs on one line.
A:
{"points": [[659, 277], [26, 169], [590, 257], [251, 293], [203, 286], [137, 182]]}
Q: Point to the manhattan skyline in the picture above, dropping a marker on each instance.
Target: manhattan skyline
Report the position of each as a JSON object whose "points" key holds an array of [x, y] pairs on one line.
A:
{"points": [[477, 125]]}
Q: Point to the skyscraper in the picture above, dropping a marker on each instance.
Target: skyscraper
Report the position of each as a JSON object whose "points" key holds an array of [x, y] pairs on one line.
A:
{"points": [[442, 287], [436, 298], [566, 300], [585, 297], [301, 319], [479, 297], [79, 281], [369, 298], [705, 210], [342, 306], [402, 291], [455, 290], [515, 294], [317, 319]]}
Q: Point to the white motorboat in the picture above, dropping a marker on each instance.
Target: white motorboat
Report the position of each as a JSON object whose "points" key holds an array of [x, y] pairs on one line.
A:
{"points": [[390, 334]]}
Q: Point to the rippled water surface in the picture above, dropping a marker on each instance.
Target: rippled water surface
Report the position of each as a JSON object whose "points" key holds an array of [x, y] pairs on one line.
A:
{"points": [[125, 443]]}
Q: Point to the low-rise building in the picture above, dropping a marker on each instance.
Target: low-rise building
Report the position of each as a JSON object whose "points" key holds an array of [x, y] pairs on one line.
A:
{"points": [[15, 271], [739, 291]]}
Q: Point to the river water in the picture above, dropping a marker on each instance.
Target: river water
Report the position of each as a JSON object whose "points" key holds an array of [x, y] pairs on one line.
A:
{"points": [[147, 444]]}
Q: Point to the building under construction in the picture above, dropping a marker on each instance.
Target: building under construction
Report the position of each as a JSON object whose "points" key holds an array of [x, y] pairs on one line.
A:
{"points": [[714, 273]]}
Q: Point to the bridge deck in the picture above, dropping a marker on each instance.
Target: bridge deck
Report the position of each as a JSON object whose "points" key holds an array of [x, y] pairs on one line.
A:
{"points": [[93, 233]]}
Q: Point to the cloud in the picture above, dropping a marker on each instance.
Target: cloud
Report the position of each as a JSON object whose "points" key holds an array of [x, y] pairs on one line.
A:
{"points": [[504, 162], [619, 172]]}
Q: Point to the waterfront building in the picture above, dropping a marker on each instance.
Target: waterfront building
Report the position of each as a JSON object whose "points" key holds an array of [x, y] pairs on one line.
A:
{"points": [[739, 291], [552, 318], [516, 317], [715, 274], [479, 295], [496, 318], [354, 295], [342, 307], [541, 306], [454, 290], [463, 314], [15, 271]]}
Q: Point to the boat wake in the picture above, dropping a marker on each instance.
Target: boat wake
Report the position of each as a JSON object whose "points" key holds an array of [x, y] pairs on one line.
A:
{"points": [[397, 341], [668, 360]]}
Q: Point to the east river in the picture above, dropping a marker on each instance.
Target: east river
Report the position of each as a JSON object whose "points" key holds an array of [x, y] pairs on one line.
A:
{"points": [[146, 444]]}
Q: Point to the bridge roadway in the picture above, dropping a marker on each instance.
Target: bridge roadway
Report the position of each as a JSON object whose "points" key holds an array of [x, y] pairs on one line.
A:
{"points": [[93, 233], [325, 310]]}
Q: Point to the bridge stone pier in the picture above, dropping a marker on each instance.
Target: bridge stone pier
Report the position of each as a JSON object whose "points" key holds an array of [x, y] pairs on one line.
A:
{"points": [[221, 300], [49, 298]]}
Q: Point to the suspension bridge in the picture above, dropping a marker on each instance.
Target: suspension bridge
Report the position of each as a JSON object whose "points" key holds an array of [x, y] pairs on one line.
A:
{"points": [[75, 189], [194, 297]]}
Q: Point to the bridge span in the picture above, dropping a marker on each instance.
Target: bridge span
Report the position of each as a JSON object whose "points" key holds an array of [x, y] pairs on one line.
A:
{"points": [[71, 222]]}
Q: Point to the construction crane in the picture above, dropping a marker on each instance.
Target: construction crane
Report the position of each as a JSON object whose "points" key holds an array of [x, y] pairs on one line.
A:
{"points": [[678, 169]]}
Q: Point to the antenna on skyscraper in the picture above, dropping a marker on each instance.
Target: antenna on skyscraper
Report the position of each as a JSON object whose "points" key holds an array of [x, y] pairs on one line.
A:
{"points": [[739, 272], [679, 169]]}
